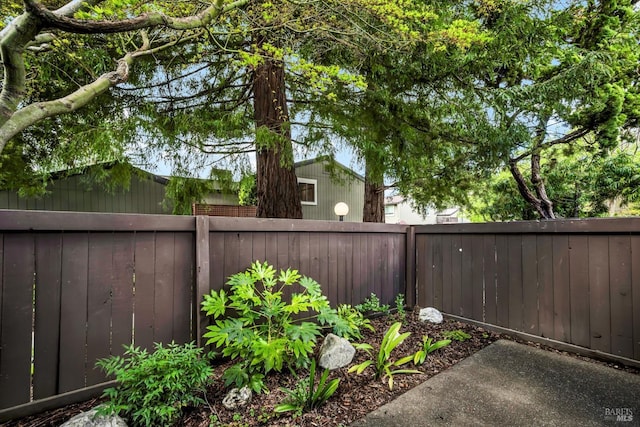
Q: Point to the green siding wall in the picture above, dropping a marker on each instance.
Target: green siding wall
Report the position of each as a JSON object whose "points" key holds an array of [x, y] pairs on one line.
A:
{"points": [[76, 194], [349, 189]]}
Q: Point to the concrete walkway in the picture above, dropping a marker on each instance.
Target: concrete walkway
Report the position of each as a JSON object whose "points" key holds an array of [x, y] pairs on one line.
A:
{"points": [[510, 384]]}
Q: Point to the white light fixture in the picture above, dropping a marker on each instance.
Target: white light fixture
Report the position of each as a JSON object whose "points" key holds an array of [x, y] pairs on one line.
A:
{"points": [[341, 210]]}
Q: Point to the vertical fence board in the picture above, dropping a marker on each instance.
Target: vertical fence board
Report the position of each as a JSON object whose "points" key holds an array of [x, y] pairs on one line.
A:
{"points": [[17, 311], [456, 274], [73, 313], [447, 289], [579, 290], [332, 267], [424, 266], [561, 295], [163, 296], [259, 246], [323, 264], [183, 287], [314, 256], [47, 321], [122, 285], [203, 279], [217, 255], [466, 309], [529, 285], [344, 275], [144, 296], [515, 292], [477, 277], [635, 291], [357, 290], [621, 297], [599, 293], [303, 253], [502, 301], [98, 304], [436, 245], [386, 286], [545, 285], [490, 285]]}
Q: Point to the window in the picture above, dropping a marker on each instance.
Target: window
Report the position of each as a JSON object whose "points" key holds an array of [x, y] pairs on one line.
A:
{"points": [[389, 209], [308, 190]]}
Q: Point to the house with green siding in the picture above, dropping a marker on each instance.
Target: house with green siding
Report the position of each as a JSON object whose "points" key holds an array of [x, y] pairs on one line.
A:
{"points": [[323, 183], [93, 190]]}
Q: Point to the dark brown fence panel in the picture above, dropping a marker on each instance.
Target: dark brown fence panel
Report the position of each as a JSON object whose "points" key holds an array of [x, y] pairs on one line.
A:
{"points": [[578, 286], [15, 333], [48, 287], [599, 292], [73, 311], [621, 297], [350, 261], [71, 286], [571, 281]]}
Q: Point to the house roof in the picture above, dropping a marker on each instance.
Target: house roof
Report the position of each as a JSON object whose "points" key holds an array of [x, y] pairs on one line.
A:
{"points": [[108, 165], [329, 159], [394, 200]]}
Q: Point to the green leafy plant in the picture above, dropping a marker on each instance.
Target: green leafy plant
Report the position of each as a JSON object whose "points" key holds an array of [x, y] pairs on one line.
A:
{"points": [[428, 346], [372, 305], [458, 335], [400, 311], [383, 365], [350, 323], [152, 389], [257, 327], [306, 395]]}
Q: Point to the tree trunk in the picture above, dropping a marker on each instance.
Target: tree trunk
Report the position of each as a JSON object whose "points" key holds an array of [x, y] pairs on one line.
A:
{"points": [[373, 197], [544, 209], [276, 182]]}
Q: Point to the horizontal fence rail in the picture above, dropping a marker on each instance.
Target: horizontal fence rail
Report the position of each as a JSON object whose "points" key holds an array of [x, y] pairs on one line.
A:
{"points": [[572, 281]]}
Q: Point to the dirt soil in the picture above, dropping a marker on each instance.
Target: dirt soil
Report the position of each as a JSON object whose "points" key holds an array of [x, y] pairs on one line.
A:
{"points": [[356, 396]]}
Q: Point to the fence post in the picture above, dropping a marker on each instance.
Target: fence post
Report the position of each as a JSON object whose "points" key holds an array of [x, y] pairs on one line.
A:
{"points": [[410, 265], [202, 276]]}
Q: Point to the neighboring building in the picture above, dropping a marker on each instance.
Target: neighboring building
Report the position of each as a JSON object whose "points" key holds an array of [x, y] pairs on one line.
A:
{"points": [[81, 193], [320, 190], [322, 184], [398, 210]]}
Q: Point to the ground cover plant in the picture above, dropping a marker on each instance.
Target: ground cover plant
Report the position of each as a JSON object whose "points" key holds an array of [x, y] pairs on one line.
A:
{"points": [[153, 388]]}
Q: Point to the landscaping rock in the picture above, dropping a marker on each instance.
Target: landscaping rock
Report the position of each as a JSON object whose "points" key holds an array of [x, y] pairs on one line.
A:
{"points": [[430, 314], [90, 419], [237, 398], [335, 352]]}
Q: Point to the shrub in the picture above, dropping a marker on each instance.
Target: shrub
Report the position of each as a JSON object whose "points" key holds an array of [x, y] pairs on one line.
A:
{"points": [[306, 396], [153, 388], [372, 304], [458, 335], [257, 327], [350, 322], [383, 365], [428, 346]]}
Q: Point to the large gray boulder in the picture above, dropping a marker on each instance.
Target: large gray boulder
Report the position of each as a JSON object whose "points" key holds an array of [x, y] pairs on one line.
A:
{"points": [[430, 314], [237, 398], [335, 352], [90, 419]]}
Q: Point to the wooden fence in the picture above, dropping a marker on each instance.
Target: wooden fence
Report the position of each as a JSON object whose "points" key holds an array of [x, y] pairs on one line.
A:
{"points": [[577, 282], [75, 287]]}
